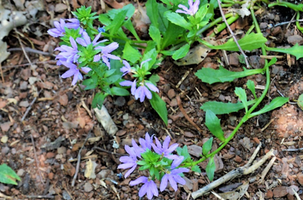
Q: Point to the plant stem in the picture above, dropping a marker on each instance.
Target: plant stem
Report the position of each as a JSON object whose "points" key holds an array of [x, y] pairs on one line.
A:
{"points": [[259, 100]]}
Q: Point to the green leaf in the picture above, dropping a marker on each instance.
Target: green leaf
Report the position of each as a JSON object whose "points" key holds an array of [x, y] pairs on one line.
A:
{"points": [[213, 124], [300, 101], [220, 108], [119, 91], [251, 86], [275, 103], [152, 12], [155, 35], [196, 168], [207, 146], [154, 79], [129, 26], [296, 50], [180, 53], [159, 106], [248, 42], [7, 175], [201, 12], [183, 152], [240, 92], [210, 168], [209, 75], [177, 19], [172, 33], [117, 22], [130, 53], [98, 100]]}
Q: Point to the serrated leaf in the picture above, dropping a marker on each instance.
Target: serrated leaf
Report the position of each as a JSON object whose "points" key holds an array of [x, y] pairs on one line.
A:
{"points": [[275, 103], [130, 53], [210, 168], [177, 19], [180, 53], [155, 34], [7, 175], [296, 50], [248, 42], [251, 86], [207, 146], [213, 124], [220, 108], [196, 168], [240, 92], [221, 75], [159, 106]]}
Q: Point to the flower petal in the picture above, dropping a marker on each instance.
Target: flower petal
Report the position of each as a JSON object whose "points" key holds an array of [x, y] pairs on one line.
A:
{"points": [[141, 179], [163, 183]]}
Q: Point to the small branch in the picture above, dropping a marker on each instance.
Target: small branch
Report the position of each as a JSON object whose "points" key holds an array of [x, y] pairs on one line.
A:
{"points": [[233, 174], [79, 160], [300, 149], [232, 33], [30, 50], [185, 114], [30, 107], [39, 196]]}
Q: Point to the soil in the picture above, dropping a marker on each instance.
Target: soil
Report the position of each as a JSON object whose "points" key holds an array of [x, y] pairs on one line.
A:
{"points": [[42, 146]]}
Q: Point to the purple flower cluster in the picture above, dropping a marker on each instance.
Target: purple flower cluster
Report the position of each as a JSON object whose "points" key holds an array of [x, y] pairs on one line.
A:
{"points": [[192, 10], [69, 55], [171, 176], [144, 89]]}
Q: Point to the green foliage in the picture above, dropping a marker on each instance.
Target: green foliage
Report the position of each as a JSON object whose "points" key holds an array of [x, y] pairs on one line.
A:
{"points": [[300, 101], [86, 18], [130, 53], [248, 42], [251, 86], [296, 50], [240, 92], [221, 75], [275, 103], [210, 168], [159, 106], [180, 53], [207, 146], [213, 124], [220, 108], [7, 175]]}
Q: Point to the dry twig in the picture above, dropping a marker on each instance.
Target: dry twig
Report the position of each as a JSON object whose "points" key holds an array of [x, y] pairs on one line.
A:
{"points": [[79, 160], [246, 169], [232, 34]]}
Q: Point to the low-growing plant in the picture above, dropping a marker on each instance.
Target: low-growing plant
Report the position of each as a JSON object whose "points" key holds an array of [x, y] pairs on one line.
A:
{"points": [[120, 61]]}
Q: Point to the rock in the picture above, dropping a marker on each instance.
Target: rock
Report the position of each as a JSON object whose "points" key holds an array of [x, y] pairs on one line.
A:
{"points": [[171, 93], [120, 101], [263, 25], [294, 39], [25, 73], [20, 172], [88, 187], [65, 195], [23, 85], [280, 191], [63, 100], [238, 159], [24, 104], [300, 178], [195, 150]]}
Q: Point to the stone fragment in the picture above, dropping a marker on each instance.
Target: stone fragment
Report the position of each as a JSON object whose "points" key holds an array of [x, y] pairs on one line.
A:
{"points": [[280, 191]]}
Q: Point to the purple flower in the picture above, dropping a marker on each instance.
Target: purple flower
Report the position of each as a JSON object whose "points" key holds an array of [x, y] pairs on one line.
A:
{"points": [[164, 149], [173, 178], [133, 85], [73, 71], [142, 91], [128, 161], [68, 54], [138, 150], [85, 41], [126, 68], [193, 7], [59, 29], [146, 144], [149, 188], [105, 53]]}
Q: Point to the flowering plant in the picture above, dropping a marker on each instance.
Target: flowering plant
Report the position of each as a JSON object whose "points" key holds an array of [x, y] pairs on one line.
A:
{"points": [[160, 162]]}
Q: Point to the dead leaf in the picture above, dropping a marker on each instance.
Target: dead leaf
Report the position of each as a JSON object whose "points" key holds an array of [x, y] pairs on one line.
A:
{"points": [[2, 103], [90, 169], [5, 126], [81, 121], [69, 169], [194, 56]]}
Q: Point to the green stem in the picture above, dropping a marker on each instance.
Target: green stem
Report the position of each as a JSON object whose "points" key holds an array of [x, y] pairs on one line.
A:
{"points": [[213, 23], [247, 115], [222, 26]]}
